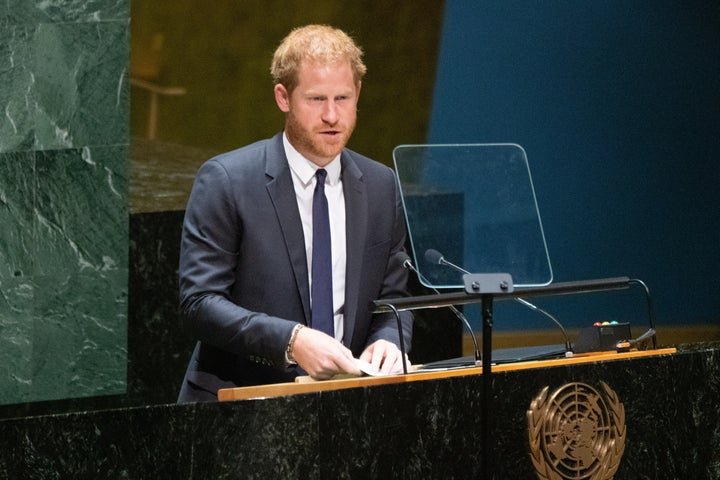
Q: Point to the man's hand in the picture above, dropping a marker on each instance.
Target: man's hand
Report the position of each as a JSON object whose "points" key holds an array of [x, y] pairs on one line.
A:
{"points": [[384, 356], [321, 356]]}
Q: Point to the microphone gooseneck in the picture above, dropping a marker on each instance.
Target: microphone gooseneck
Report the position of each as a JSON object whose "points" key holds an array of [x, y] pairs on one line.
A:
{"points": [[435, 257], [568, 345], [407, 263], [651, 315]]}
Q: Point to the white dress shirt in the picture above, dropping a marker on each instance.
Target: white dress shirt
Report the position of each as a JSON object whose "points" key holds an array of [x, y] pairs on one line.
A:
{"points": [[303, 177]]}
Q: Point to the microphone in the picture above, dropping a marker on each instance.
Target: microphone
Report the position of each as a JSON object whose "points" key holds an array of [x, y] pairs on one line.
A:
{"points": [[435, 257], [407, 263], [624, 345]]}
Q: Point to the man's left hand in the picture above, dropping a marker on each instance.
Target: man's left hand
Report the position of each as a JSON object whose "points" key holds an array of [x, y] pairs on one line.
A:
{"points": [[384, 356]]}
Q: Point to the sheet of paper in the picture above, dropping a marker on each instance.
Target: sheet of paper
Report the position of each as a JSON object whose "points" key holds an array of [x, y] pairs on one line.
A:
{"points": [[368, 369]]}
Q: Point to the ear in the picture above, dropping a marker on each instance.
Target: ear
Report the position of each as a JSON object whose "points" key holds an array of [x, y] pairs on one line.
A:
{"points": [[282, 98], [359, 84]]}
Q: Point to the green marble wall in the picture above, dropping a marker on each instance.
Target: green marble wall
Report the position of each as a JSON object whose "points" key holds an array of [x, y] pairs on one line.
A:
{"points": [[63, 198]]}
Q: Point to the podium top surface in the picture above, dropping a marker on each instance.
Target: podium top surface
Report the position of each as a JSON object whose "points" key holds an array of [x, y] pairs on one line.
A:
{"points": [[308, 385]]}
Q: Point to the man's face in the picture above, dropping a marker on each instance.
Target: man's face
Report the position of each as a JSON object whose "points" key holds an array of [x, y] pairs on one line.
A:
{"points": [[321, 111]]}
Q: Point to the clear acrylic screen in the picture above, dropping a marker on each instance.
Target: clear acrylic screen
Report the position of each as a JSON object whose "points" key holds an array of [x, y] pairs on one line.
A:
{"points": [[475, 204]]}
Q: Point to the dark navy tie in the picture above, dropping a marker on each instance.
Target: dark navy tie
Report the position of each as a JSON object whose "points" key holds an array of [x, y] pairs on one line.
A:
{"points": [[322, 302]]}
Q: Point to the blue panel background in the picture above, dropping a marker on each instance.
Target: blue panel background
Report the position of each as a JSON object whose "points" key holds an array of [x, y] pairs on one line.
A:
{"points": [[618, 108]]}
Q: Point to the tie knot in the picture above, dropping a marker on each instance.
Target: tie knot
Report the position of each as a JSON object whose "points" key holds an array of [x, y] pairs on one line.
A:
{"points": [[321, 174]]}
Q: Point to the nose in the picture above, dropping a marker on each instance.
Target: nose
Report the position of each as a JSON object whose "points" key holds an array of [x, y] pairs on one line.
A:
{"points": [[330, 112]]}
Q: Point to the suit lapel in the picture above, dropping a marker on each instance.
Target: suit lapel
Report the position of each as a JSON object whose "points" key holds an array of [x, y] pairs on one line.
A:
{"points": [[282, 194], [356, 218]]}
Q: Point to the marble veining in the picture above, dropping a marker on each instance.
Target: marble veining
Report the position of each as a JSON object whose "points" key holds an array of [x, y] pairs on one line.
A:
{"points": [[64, 85], [17, 187], [80, 89], [16, 80], [80, 326], [63, 198], [63, 11]]}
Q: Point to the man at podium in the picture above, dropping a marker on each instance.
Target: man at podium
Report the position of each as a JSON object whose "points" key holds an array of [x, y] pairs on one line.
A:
{"points": [[286, 242]]}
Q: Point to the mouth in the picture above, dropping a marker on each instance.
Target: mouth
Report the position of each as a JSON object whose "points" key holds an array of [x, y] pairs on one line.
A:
{"points": [[331, 136]]}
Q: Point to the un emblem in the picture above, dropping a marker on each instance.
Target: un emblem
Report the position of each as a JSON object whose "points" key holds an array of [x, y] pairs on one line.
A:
{"points": [[576, 432]]}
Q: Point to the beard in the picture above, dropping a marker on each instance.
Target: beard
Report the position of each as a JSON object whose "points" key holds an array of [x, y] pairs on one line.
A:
{"points": [[315, 145]]}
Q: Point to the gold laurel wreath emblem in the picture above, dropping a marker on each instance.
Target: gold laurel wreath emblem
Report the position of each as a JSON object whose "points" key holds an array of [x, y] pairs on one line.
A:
{"points": [[576, 433]]}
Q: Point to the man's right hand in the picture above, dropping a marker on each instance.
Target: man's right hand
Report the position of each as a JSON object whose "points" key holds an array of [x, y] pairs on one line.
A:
{"points": [[321, 356]]}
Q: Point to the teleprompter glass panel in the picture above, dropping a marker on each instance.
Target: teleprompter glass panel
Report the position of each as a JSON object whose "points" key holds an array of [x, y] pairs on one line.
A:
{"points": [[474, 205]]}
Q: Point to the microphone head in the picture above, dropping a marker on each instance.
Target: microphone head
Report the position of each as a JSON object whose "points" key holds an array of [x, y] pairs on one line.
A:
{"points": [[405, 259], [433, 256]]}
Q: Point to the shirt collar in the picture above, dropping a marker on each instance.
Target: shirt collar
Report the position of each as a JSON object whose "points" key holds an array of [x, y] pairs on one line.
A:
{"points": [[305, 170]]}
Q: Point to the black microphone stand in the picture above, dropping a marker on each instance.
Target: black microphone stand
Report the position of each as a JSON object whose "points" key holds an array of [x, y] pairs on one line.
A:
{"points": [[403, 351], [486, 468], [487, 285]]}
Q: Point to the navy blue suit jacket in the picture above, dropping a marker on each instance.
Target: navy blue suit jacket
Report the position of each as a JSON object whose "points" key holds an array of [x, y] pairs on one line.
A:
{"points": [[243, 268]]}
